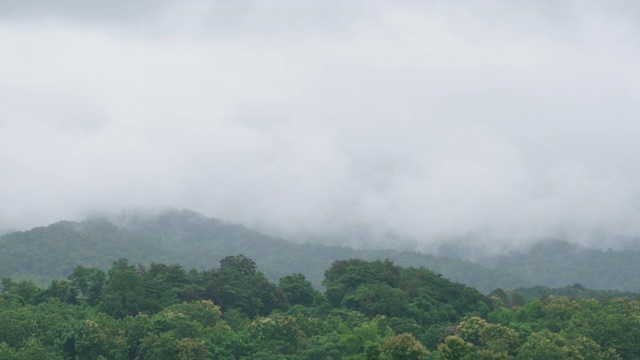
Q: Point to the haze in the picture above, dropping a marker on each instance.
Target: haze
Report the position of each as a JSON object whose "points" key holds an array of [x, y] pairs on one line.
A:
{"points": [[497, 121]]}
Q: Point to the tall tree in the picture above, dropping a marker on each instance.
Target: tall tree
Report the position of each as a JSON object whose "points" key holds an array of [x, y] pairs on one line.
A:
{"points": [[123, 293]]}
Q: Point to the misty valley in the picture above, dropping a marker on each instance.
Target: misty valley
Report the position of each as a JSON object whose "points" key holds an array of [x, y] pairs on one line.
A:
{"points": [[180, 285]]}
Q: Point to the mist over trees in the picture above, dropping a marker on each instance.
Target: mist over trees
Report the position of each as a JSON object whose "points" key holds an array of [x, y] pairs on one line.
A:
{"points": [[431, 120], [52, 252]]}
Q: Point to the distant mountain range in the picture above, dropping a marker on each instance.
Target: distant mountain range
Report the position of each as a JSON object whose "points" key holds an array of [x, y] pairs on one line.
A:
{"points": [[195, 241]]}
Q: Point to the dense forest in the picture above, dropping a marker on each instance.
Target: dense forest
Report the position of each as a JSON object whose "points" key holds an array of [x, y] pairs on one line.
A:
{"points": [[369, 310], [195, 241], [174, 287]]}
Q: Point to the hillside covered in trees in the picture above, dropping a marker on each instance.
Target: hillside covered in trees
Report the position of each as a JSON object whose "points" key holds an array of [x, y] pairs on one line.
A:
{"points": [[559, 263], [195, 241], [370, 310], [71, 291]]}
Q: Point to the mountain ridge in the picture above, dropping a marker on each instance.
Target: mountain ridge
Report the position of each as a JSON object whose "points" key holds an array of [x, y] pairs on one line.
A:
{"points": [[197, 241]]}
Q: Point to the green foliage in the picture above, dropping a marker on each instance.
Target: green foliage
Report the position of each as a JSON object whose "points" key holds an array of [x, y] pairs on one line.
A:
{"points": [[238, 284], [165, 285], [346, 276], [357, 340], [404, 347], [454, 348], [548, 345], [280, 333], [491, 340], [379, 311], [326, 346], [499, 296], [612, 324], [377, 299], [90, 338], [192, 349], [298, 289], [123, 293], [33, 349], [531, 312], [61, 290], [204, 312], [382, 288], [502, 316], [86, 284], [23, 291], [576, 291]]}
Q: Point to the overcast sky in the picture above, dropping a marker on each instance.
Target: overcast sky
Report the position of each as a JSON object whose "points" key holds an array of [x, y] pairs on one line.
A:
{"points": [[506, 121]]}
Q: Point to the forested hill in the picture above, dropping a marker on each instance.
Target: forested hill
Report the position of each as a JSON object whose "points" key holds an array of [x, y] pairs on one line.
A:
{"points": [[560, 263], [195, 241]]}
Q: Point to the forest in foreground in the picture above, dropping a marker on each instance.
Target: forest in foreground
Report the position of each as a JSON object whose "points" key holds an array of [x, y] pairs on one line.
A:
{"points": [[369, 310]]}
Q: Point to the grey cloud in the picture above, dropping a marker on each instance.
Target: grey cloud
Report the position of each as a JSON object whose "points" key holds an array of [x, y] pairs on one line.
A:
{"points": [[81, 10], [420, 120]]}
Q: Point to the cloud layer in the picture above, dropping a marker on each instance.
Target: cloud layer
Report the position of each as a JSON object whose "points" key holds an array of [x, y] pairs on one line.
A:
{"points": [[424, 120]]}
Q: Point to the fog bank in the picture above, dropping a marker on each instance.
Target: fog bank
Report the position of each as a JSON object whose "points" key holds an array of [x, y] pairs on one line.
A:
{"points": [[491, 121]]}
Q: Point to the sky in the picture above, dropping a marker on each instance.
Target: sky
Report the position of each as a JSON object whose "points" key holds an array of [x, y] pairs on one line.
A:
{"points": [[499, 122]]}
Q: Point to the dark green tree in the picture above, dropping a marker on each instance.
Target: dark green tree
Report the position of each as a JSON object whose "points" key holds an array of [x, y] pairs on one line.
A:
{"points": [[87, 284], [377, 299], [238, 284], [298, 289], [123, 292], [346, 276]]}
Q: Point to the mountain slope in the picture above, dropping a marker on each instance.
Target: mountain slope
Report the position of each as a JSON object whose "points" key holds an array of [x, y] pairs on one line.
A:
{"points": [[199, 242], [559, 263], [196, 241]]}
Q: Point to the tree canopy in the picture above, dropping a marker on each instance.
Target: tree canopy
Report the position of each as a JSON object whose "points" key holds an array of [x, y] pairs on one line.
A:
{"points": [[370, 310]]}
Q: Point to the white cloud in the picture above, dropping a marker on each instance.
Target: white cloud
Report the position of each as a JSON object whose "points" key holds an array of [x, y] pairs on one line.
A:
{"points": [[428, 120]]}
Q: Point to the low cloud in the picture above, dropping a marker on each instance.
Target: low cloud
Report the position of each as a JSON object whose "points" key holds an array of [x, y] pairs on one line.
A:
{"points": [[424, 121]]}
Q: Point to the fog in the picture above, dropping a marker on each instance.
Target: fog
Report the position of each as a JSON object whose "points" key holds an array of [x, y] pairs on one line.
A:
{"points": [[497, 122]]}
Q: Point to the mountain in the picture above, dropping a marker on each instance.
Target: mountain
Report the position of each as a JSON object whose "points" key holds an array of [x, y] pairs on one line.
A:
{"points": [[195, 241], [559, 263], [575, 291]]}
